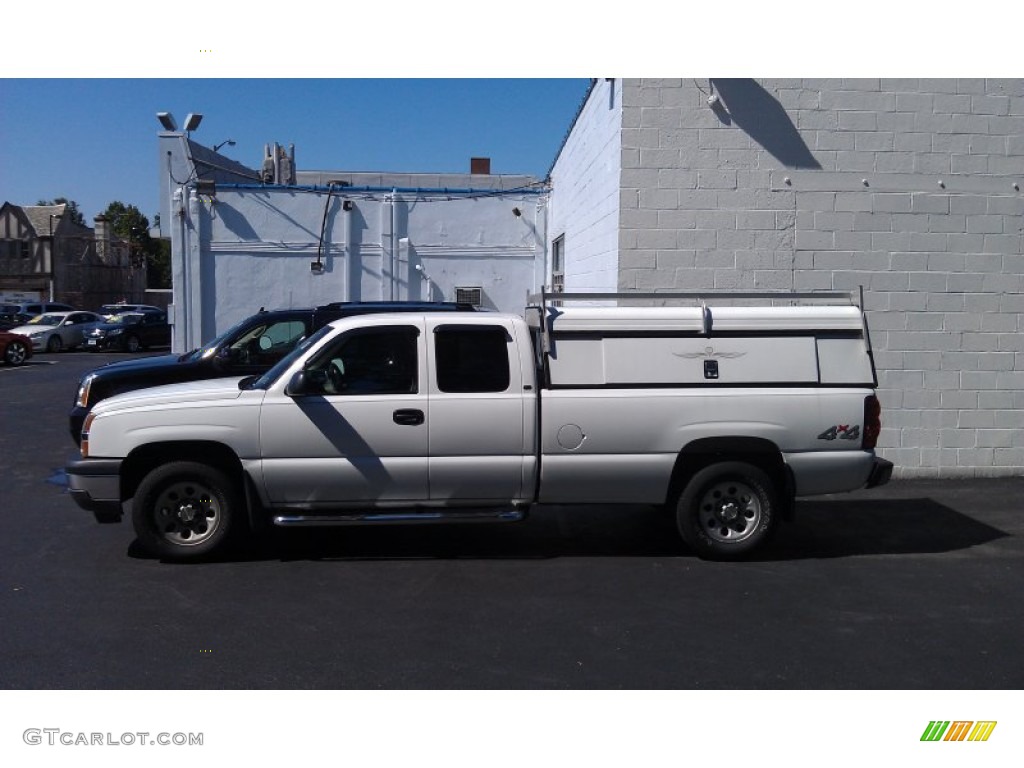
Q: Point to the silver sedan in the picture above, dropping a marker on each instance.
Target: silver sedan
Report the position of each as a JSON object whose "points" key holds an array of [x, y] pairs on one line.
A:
{"points": [[55, 331]]}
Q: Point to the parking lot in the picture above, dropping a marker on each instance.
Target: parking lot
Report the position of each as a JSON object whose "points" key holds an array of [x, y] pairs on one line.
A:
{"points": [[912, 585]]}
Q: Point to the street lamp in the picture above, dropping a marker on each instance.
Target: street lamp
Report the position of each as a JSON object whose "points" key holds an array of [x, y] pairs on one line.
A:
{"points": [[50, 270], [229, 142]]}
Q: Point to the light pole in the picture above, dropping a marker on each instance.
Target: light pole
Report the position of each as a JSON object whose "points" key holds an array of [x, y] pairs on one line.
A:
{"points": [[51, 254]]}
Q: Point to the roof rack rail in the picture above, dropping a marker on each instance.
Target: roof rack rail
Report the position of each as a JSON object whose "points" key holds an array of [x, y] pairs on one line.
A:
{"points": [[546, 295], [549, 301]]}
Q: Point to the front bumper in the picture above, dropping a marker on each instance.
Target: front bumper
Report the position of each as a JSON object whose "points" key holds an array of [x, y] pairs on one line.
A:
{"points": [[96, 343], [95, 486]]}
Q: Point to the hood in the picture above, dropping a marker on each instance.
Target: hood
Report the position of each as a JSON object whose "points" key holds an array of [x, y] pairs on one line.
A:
{"points": [[25, 330], [191, 392], [156, 363]]}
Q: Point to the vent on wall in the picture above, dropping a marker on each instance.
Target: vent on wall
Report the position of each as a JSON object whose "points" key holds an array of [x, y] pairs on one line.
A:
{"points": [[472, 296]]}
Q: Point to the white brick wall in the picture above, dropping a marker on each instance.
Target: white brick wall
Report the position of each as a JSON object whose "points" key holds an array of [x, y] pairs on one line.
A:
{"points": [[903, 186], [586, 209]]}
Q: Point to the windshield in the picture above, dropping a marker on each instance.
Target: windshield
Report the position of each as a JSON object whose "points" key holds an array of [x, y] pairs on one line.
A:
{"points": [[46, 320], [211, 346], [268, 378]]}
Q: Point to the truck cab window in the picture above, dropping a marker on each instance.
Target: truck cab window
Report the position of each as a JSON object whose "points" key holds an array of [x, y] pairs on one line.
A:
{"points": [[472, 359], [375, 362]]}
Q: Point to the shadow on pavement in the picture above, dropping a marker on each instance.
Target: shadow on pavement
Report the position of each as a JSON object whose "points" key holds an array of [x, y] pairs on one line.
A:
{"points": [[821, 529]]}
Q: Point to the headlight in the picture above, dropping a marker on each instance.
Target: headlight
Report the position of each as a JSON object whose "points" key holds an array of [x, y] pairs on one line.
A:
{"points": [[82, 399], [36, 335], [115, 331]]}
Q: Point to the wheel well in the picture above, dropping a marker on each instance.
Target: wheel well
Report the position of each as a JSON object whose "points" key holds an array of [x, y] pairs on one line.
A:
{"points": [[144, 459], [761, 453]]}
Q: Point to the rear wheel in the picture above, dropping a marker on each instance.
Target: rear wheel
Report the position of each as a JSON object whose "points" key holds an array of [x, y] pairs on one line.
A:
{"points": [[727, 510], [184, 510], [16, 353]]}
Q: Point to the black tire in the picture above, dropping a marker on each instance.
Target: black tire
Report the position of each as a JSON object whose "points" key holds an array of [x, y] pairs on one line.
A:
{"points": [[131, 343], [727, 510], [54, 344], [184, 510], [16, 353]]}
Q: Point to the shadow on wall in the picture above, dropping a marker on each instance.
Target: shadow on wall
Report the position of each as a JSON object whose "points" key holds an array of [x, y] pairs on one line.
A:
{"points": [[760, 116]]}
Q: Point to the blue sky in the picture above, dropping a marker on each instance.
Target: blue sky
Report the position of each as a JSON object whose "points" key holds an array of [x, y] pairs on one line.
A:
{"points": [[95, 140]]}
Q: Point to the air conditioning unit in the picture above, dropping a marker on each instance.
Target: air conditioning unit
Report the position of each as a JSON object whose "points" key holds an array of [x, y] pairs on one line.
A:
{"points": [[471, 296]]}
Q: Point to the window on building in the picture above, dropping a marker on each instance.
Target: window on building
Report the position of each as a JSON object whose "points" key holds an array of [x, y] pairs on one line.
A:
{"points": [[558, 264], [26, 249], [472, 358]]}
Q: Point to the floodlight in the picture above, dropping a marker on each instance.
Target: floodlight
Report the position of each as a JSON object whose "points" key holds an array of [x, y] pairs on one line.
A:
{"points": [[192, 121], [167, 121]]}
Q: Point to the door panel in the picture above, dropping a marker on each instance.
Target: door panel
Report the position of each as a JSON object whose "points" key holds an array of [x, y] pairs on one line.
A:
{"points": [[477, 442], [357, 440]]}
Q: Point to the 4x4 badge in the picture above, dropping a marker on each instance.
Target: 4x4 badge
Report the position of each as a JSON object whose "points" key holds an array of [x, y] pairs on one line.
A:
{"points": [[841, 431]]}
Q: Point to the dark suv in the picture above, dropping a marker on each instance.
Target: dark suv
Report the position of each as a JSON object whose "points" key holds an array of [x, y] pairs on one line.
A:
{"points": [[251, 347]]}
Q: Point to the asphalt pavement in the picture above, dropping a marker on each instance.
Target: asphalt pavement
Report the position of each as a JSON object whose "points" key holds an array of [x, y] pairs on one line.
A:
{"points": [[915, 585]]}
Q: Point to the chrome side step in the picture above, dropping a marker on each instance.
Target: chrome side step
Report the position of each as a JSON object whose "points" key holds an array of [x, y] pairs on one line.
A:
{"points": [[403, 517]]}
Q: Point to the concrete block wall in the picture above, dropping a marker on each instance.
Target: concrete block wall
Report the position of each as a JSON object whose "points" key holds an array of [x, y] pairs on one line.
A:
{"points": [[910, 188]]}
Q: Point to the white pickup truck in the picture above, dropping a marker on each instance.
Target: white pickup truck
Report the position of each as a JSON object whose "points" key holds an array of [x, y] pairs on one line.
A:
{"points": [[723, 412]]}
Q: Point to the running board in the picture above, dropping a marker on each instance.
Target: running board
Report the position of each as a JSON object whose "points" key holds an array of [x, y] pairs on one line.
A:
{"points": [[403, 518]]}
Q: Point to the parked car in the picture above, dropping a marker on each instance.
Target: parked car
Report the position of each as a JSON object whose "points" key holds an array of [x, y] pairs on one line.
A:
{"points": [[130, 332], [15, 348], [252, 346], [108, 310], [55, 331], [20, 313]]}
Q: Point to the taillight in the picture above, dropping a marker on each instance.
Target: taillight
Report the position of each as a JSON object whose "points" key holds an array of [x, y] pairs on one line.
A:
{"points": [[872, 422]]}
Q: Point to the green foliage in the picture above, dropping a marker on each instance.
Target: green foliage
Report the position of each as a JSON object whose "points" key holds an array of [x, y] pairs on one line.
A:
{"points": [[128, 223]]}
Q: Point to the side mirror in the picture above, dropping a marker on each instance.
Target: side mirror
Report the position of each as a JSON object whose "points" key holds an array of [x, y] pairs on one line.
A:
{"points": [[304, 383]]}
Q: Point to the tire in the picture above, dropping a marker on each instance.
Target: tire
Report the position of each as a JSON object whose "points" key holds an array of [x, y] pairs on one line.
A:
{"points": [[184, 510], [54, 344], [131, 343], [727, 510], [16, 353]]}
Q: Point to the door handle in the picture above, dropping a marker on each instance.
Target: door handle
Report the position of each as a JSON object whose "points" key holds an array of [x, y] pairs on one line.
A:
{"points": [[410, 417]]}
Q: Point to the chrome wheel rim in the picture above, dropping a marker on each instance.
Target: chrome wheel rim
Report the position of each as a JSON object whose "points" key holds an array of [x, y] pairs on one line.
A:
{"points": [[16, 353], [730, 511], [186, 513]]}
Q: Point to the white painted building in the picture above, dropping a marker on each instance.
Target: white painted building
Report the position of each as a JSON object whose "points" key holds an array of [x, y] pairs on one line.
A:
{"points": [[240, 241]]}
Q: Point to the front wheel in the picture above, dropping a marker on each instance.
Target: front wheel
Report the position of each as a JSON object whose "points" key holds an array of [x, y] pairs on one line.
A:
{"points": [[727, 510], [132, 344], [16, 353], [184, 510], [55, 344]]}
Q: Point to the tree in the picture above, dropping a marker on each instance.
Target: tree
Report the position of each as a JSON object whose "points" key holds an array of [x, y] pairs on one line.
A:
{"points": [[128, 223], [71, 212]]}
